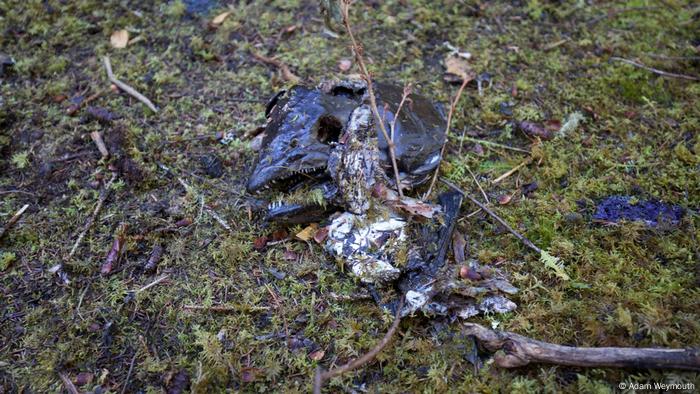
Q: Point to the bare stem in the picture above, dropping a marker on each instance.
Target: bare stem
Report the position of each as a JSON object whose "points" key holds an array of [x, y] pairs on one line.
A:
{"points": [[322, 376], [465, 81], [357, 48]]}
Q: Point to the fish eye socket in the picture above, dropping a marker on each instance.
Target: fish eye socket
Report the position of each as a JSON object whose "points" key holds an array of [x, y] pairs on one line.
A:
{"points": [[294, 143]]}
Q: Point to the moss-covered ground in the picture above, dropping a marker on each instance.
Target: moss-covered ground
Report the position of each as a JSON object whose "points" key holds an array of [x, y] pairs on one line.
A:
{"points": [[630, 285]]}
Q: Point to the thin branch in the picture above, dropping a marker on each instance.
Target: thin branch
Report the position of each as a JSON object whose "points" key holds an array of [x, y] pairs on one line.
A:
{"points": [[517, 235], [490, 143], [406, 93], [512, 170], [103, 197], [97, 139], [655, 70], [287, 74], [68, 384], [13, 220], [76, 107], [320, 376], [517, 351], [483, 193], [128, 89], [357, 48], [465, 81]]}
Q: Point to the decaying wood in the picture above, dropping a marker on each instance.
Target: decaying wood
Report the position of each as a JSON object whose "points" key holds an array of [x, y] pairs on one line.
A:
{"points": [[97, 139], [128, 89], [518, 351]]}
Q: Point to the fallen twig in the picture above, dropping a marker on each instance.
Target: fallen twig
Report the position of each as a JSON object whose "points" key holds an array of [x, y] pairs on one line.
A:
{"points": [[287, 74], [512, 170], [465, 81], [655, 70], [97, 139], [209, 210], [13, 220], [490, 143], [128, 89], [103, 197], [128, 374], [76, 107], [518, 351], [68, 384], [223, 308], [517, 235], [320, 377], [155, 282], [357, 49]]}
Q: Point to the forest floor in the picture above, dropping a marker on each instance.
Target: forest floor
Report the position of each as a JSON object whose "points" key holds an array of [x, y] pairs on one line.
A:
{"points": [[102, 321]]}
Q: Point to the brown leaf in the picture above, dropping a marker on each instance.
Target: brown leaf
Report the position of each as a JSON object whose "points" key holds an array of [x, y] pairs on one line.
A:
{"points": [[458, 245], [183, 222], [260, 242], [119, 38], [307, 233], [115, 251], [321, 235], [534, 130], [317, 355], [344, 65], [504, 199], [219, 19], [279, 235], [83, 378], [290, 255], [469, 273], [250, 374], [459, 66]]}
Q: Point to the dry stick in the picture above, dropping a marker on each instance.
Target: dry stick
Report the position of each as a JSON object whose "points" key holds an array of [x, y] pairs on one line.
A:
{"points": [[103, 197], [128, 375], [222, 308], [287, 74], [517, 235], [13, 220], [345, 10], [512, 170], [320, 377], [209, 210], [97, 139], [68, 384], [465, 81], [519, 351], [406, 93], [76, 107], [483, 193], [490, 143], [128, 89], [655, 70]]}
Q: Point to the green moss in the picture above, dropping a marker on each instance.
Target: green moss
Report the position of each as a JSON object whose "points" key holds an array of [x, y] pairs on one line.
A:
{"points": [[630, 285]]}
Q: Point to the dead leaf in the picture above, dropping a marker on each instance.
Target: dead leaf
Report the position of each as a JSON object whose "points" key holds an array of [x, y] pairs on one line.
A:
{"points": [[307, 233], [459, 244], [260, 243], [250, 374], [321, 235], [459, 66], [317, 355], [504, 199], [219, 19], [119, 38]]}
